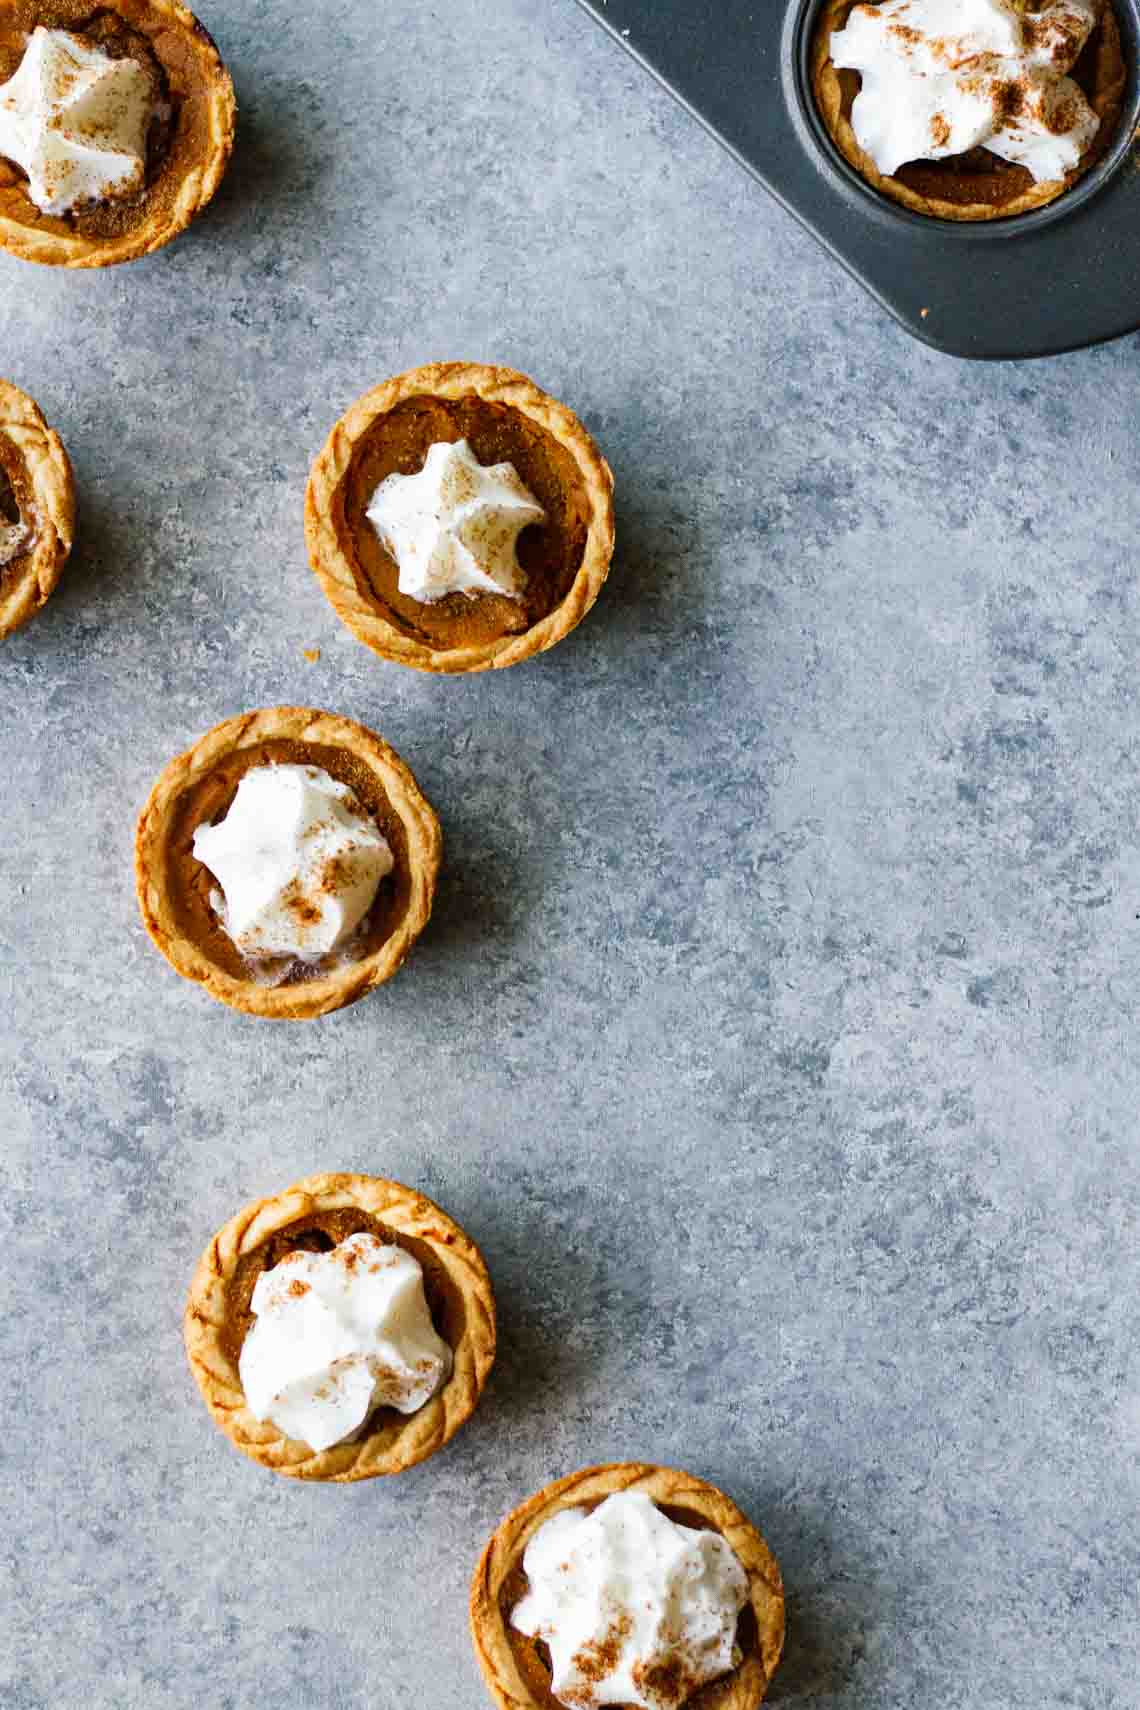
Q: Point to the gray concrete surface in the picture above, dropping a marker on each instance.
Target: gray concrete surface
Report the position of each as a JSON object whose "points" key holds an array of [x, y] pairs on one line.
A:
{"points": [[776, 1031]]}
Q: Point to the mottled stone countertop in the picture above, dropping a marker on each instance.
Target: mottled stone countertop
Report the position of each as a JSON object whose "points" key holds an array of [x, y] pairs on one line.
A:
{"points": [[776, 1030]]}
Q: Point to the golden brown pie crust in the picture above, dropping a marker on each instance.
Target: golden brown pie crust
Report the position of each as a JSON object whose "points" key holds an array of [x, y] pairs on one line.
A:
{"points": [[505, 417], [187, 157], [512, 1663], [174, 888], [36, 473], [978, 186], [459, 1295]]}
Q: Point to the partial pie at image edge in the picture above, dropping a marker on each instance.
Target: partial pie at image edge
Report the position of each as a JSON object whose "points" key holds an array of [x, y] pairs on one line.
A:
{"points": [[193, 181], [305, 999], [47, 469], [830, 103], [378, 1451], [339, 576], [744, 1689]]}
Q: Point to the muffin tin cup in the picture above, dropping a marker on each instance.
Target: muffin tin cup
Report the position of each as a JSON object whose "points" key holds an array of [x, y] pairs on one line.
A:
{"points": [[803, 19], [1058, 278]]}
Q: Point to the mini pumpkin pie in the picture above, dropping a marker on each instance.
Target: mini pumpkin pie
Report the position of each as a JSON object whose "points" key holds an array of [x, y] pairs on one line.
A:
{"points": [[116, 125], [287, 862], [37, 508], [347, 1308], [997, 119], [627, 1585], [459, 518]]}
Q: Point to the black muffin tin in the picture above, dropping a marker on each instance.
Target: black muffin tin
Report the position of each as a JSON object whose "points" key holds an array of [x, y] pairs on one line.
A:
{"points": [[1056, 279]]}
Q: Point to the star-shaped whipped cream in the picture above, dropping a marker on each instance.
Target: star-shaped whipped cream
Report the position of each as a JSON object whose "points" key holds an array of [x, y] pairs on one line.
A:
{"points": [[454, 527], [76, 121], [940, 77]]}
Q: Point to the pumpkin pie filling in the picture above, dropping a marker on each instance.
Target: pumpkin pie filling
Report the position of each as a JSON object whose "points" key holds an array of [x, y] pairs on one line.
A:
{"points": [[180, 129], [15, 510], [191, 885], [549, 553], [320, 1232], [978, 179], [532, 1657]]}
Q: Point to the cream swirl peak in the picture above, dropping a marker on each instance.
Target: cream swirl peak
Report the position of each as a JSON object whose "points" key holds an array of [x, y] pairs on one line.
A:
{"points": [[940, 77], [76, 121], [298, 860], [633, 1608], [338, 1334], [453, 528]]}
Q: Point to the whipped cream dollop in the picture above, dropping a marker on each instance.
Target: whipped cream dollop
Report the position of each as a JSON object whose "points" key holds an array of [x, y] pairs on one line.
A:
{"points": [[941, 77], [633, 1608], [76, 121], [454, 527], [338, 1334], [298, 859]]}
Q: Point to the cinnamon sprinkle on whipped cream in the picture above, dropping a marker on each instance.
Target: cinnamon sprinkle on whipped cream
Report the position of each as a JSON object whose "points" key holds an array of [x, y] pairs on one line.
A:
{"points": [[941, 77], [76, 120], [633, 1608], [338, 1334], [453, 528], [299, 862]]}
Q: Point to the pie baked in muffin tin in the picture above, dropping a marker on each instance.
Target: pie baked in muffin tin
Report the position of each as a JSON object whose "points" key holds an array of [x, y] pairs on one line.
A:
{"points": [[978, 185], [1053, 278]]}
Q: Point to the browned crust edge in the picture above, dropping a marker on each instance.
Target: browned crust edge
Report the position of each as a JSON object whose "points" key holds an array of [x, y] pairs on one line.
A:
{"points": [[335, 574], [404, 1211], [828, 94], [196, 189], [53, 489], [664, 1485], [298, 724]]}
